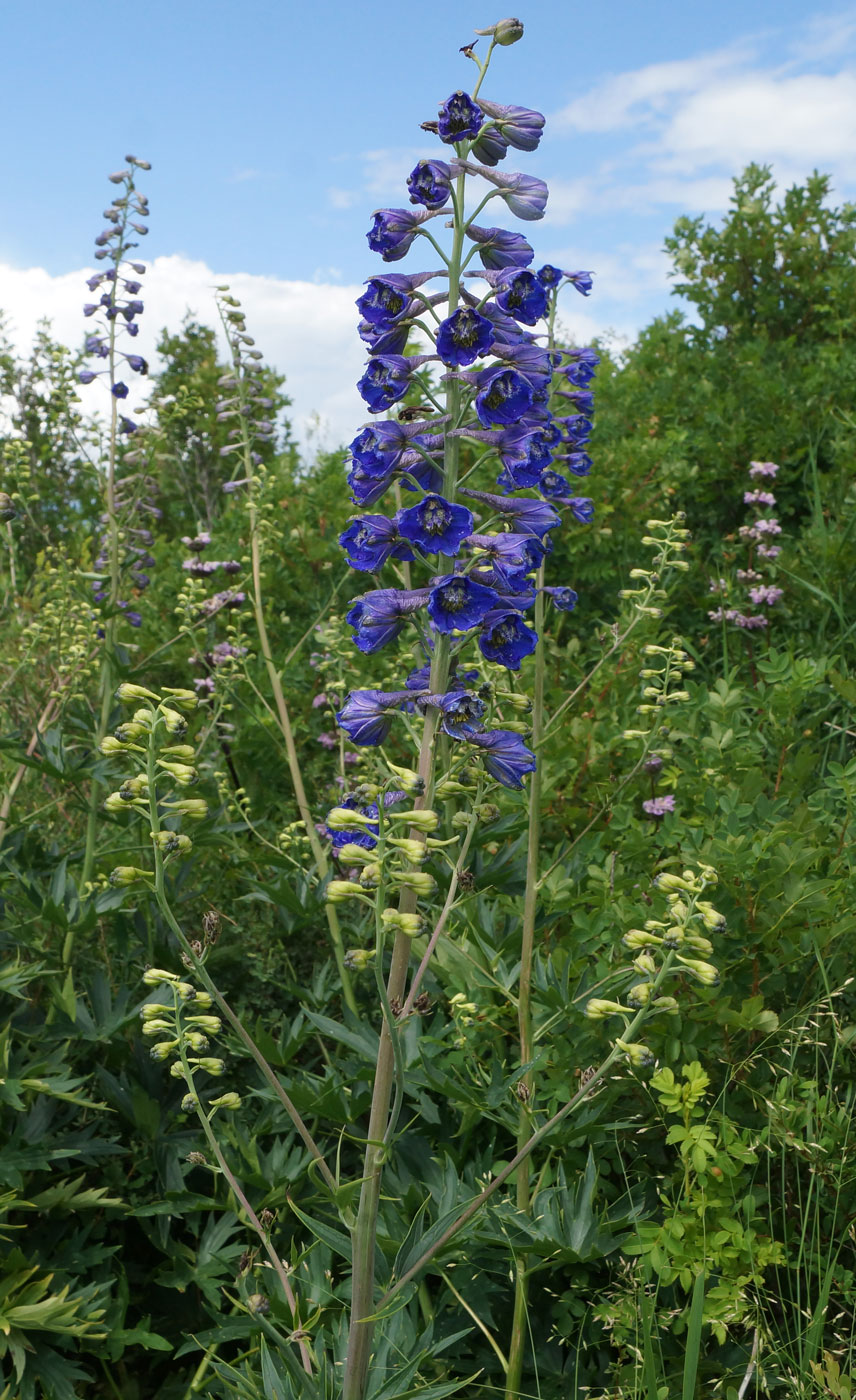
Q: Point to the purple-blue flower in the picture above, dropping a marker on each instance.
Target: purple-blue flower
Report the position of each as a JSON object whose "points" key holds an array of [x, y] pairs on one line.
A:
{"points": [[435, 525], [457, 603], [370, 540], [429, 182], [498, 247], [393, 231], [565, 599], [367, 715], [525, 195], [505, 756], [582, 509], [463, 336], [462, 710], [386, 379], [379, 616], [529, 517], [503, 398], [519, 293], [459, 119], [505, 638], [520, 127]]}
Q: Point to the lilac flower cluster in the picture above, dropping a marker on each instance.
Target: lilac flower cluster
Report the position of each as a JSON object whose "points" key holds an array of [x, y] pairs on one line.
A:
{"points": [[759, 535], [130, 496], [473, 552]]}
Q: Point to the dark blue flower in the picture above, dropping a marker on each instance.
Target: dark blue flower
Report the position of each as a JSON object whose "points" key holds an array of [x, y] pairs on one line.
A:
{"points": [[435, 525], [137, 363], [505, 755], [550, 276], [386, 380], [519, 293], [393, 231], [86, 376], [565, 599], [459, 119], [577, 428], [367, 715], [379, 616], [529, 517], [581, 370], [520, 127], [462, 711], [384, 302], [578, 462], [370, 540], [499, 248], [457, 603], [504, 397], [581, 280], [553, 485], [120, 390], [490, 146], [582, 399], [463, 336], [506, 638], [429, 182], [582, 509]]}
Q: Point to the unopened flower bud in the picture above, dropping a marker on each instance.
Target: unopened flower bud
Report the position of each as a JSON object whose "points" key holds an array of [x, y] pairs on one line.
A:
{"points": [[202, 1000], [370, 876], [411, 924], [638, 938], [639, 994], [408, 779], [156, 1025], [674, 936], [358, 959], [183, 774], [339, 890], [156, 976], [127, 875], [194, 807], [210, 1024], [597, 1009], [665, 1004], [344, 819], [713, 920], [424, 820], [110, 746], [257, 1302], [698, 943], [351, 854], [184, 699], [667, 882], [504, 32], [188, 1103], [177, 1070], [163, 1050], [196, 1041], [127, 733], [418, 880], [129, 693], [646, 964], [230, 1100], [211, 1066], [704, 971], [638, 1055], [186, 990], [7, 508], [173, 843], [174, 723], [409, 847], [183, 752]]}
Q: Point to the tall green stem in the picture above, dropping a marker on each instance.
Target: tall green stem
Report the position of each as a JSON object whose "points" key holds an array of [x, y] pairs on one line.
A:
{"points": [[365, 1230]]}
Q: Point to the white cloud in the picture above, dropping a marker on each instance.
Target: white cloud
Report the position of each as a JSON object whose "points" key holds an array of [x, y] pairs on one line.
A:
{"points": [[625, 99], [306, 330]]}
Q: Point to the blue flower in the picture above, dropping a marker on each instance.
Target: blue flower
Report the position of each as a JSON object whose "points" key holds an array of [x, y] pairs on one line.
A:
{"points": [[435, 525], [525, 195], [463, 336], [393, 231], [582, 399], [370, 540], [462, 711], [550, 276], [490, 146], [366, 715], [553, 484], [384, 302], [378, 617], [506, 638], [519, 126], [86, 376], [577, 427], [500, 248], [529, 517], [505, 755], [137, 363], [459, 119], [578, 462], [565, 599], [504, 397], [582, 509], [519, 292], [429, 182], [120, 390], [457, 603], [386, 380]]}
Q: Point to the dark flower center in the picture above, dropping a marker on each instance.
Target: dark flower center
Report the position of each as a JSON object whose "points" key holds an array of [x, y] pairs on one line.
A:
{"points": [[436, 517], [454, 597]]}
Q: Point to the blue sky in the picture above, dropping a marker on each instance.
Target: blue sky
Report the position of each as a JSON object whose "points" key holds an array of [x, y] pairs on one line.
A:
{"points": [[274, 129]]}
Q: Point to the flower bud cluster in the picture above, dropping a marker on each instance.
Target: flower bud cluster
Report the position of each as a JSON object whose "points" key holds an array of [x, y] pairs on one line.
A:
{"points": [[182, 1030], [758, 592], [152, 742], [244, 403], [675, 944], [669, 539]]}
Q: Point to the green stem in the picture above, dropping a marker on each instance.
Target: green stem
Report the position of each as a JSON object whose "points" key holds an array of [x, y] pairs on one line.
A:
{"points": [[362, 1319]]}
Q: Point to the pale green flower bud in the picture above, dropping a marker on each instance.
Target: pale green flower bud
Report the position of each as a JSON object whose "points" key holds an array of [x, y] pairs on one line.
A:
{"points": [[713, 920], [352, 854], [504, 32], [635, 733], [344, 819], [409, 780], [196, 1040], [698, 943], [177, 1070], [201, 999], [143, 718], [487, 812], [110, 746], [172, 842], [230, 1101], [174, 723], [163, 1050], [674, 936], [153, 1011], [639, 994], [210, 1024], [189, 1103], [411, 924], [156, 1025], [704, 971], [115, 802], [418, 880], [597, 1009], [339, 890], [638, 938], [184, 699], [370, 876], [668, 882], [129, 693], [126, 733], [414, 850], [665, 1004], [127, 875], [185, 990], [184, 775], [155, 976], [645, 964], [185, 752], [194, 807], [450, 788], [518, 702], [424, 820], [210, 1066], [638, 1055], [358, 959]]}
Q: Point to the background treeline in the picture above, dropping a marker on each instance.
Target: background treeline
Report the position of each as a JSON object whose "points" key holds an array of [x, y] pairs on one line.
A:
{"points": [[125, 1270]]}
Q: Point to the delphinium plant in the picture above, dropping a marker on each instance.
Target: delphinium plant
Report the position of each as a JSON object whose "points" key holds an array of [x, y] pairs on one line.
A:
{"points": [[756, 592]]}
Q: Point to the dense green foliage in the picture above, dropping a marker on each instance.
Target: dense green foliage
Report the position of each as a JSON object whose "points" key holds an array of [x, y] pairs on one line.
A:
{"points": [[696, 1215]]}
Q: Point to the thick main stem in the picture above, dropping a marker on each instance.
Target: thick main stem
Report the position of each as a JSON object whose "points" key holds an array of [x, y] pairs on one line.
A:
{"points": [[526, 1086], [365, 1230]]}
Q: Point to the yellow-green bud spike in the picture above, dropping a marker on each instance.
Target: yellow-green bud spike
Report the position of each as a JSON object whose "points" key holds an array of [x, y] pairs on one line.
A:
{"points": [[128, 693], [339, 890], [423, 820], [155, 976], [352, 854], [184, 699]]}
